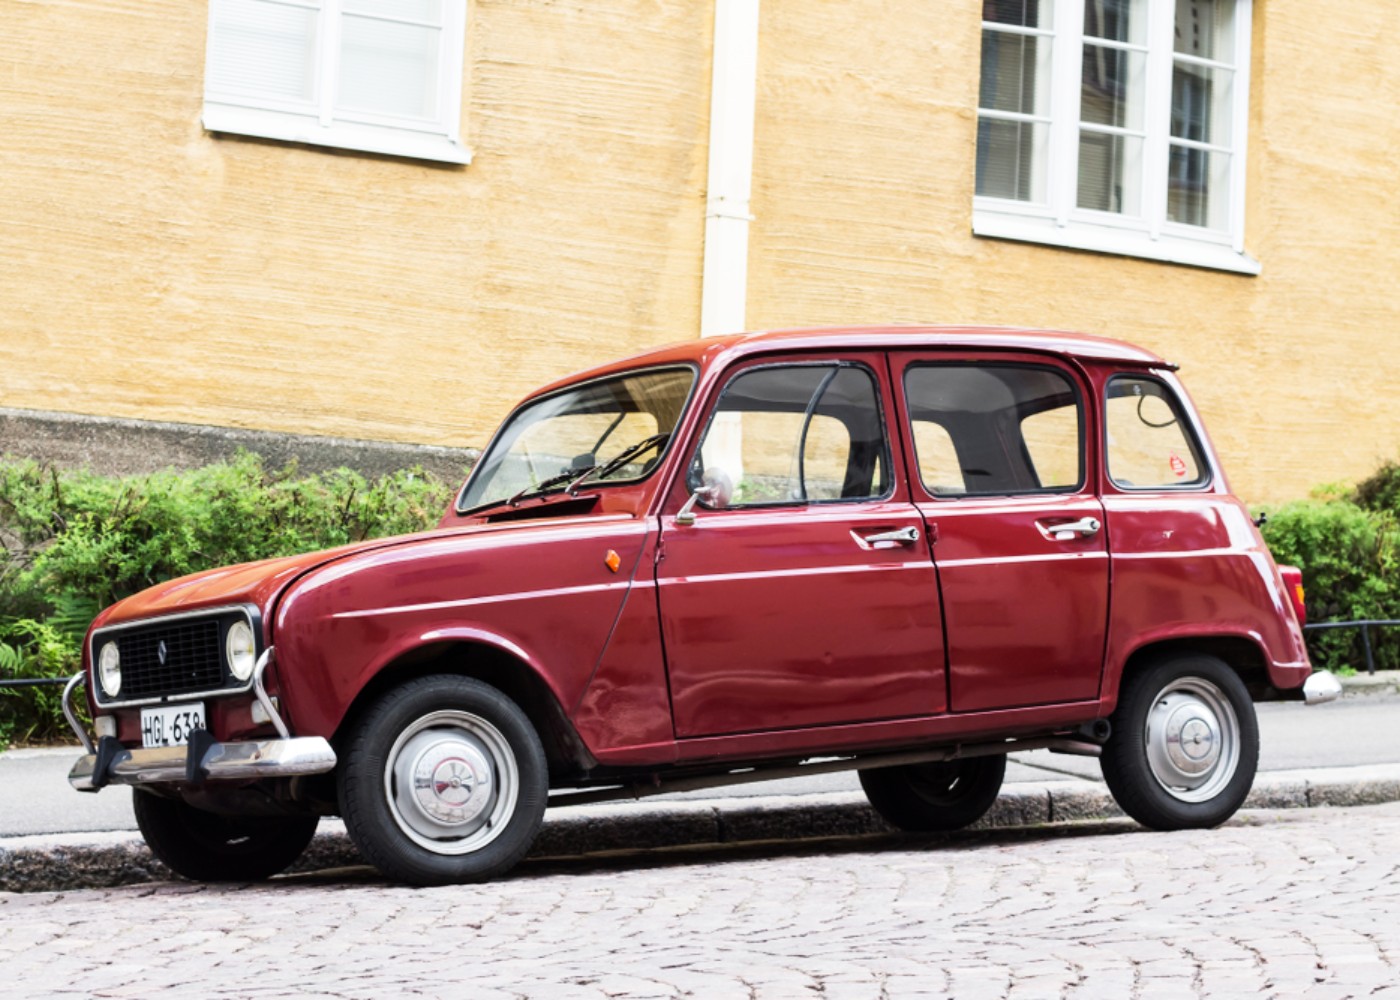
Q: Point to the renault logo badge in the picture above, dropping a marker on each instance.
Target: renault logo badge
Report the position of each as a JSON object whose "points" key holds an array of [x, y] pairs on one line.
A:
{"points": [[161, 652]]}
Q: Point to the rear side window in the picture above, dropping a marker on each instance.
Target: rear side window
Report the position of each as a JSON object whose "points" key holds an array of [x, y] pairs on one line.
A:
{"points": [[1149, 446], [995, 429]]}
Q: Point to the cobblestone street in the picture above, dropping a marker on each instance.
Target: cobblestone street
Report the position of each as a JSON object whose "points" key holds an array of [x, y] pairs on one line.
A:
{"points": [[1286, 904]]}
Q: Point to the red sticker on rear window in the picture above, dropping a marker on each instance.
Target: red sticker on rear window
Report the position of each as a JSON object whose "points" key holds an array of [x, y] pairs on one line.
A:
{"points": [[1178, 466]]}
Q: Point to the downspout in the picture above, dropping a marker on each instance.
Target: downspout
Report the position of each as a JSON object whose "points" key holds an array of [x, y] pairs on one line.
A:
{"points": [[733, 86]]}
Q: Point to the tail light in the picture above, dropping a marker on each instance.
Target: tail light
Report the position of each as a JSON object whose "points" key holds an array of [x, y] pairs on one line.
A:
{"points": [[1293, 583]]}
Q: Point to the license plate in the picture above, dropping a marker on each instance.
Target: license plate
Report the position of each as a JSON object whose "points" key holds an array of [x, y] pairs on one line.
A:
{"points": [[170, 725]]}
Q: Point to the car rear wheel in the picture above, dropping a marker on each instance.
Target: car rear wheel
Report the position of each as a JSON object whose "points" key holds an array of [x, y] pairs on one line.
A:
{"points": [[1185, 744], [442, 781], [209, 847], [942, 795]]}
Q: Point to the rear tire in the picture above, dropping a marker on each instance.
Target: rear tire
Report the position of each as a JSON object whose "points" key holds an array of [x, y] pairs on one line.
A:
{"points": [[443, 781], [208, 847], [941, 795], [1185, 744]]}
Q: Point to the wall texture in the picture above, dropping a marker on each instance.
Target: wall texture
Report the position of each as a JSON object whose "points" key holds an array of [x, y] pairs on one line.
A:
{"points": [[154, 271]]}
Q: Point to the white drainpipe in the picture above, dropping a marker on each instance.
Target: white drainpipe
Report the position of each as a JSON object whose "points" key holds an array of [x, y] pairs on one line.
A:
{"points": [[724, 280]]}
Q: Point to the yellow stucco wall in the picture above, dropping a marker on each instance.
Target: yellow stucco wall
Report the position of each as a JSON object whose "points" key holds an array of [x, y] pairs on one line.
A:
{"points": [[152, 270], [863, 203]]}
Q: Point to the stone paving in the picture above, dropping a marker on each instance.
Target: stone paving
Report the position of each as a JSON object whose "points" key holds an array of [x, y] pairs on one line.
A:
{"points": [[1299, 903]]}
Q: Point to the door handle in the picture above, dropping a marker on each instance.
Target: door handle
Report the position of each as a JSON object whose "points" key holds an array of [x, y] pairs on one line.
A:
{"points": [[887, 539], [1068, 531]]}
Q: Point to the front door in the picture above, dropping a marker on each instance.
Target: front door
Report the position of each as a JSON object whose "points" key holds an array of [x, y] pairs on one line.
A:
{"points": [[807, 595], [1002, 462]]}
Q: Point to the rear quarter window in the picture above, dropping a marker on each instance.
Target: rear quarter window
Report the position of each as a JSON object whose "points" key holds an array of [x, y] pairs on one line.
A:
{"points": [[1149, 443]]}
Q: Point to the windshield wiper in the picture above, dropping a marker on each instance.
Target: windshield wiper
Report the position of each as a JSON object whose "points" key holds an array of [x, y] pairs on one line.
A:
{"points": [[550, 483], [620, 459]]}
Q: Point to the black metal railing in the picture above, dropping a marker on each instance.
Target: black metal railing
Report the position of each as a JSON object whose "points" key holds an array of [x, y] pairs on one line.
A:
{"points": [[1365, 627], [25, 682]]}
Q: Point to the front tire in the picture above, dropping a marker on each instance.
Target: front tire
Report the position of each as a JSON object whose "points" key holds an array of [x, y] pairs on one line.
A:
{"points": [[443, 781], [941, 795], [1185, 744], [209, 847]]}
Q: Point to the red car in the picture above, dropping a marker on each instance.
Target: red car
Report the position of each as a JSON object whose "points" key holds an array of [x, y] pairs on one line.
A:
{"points": [[904, 551]]}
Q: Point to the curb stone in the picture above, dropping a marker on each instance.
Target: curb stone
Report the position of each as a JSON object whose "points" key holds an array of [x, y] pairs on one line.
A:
{"points": [[85, 861]]}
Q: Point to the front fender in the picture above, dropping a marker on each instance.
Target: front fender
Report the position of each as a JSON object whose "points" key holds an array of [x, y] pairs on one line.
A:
{"points": [[546, 595]]}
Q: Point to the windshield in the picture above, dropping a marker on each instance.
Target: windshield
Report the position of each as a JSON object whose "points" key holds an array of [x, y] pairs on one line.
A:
{"points": [[610, 430]]}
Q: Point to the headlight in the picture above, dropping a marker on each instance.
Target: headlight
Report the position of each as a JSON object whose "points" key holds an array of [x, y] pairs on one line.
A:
{"points": [[109, 670], [239, 646]]}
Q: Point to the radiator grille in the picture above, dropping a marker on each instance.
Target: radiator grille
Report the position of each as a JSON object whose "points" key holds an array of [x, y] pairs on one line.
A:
{"points": [[175, 658]]}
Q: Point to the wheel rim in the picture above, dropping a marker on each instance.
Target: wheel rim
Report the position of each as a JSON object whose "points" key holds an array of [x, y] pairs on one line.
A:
{"points": [[451, 781], [1192, 739]]}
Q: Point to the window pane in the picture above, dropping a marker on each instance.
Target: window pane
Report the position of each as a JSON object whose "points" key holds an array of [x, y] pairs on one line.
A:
{"points": [[1052, 441], [388, 68], [1205, 28], [1111, 88], [429, 11], [263, 48], [1024, 13], [799, 433], [1198, 187], [1110, 173], [1011, 159], [1015, 73], [1149, 445], [994, 428], [1116, 20], [1201, 104]]}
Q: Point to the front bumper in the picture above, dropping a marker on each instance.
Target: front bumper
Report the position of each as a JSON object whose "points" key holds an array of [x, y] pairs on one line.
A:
{"points": [[201, 761]]}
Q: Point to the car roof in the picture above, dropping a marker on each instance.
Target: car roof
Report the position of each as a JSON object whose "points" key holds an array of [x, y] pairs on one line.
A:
{"points": [[711, 351]]}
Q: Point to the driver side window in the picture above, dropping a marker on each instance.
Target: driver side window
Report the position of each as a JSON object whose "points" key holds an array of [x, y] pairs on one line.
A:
{"points": [[797, 434]]}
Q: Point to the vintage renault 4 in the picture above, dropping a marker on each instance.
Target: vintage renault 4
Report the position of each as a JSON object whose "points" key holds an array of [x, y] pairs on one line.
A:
{"points": [[903, 551]]}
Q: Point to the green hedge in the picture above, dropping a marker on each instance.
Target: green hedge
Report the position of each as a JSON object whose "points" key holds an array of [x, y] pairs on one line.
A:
{"points": [[1347, 543], [72, 542]]}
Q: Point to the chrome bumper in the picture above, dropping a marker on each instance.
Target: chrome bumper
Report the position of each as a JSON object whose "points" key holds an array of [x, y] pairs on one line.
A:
{"points": [[217, 762], [1321, 687]]}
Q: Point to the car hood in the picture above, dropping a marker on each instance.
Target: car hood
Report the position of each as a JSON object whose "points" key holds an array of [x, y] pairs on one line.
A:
{"points": [[256, 583]]}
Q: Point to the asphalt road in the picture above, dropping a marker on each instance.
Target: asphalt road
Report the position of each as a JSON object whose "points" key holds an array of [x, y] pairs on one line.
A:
{"points": [[35, 797], [1294, 904]]}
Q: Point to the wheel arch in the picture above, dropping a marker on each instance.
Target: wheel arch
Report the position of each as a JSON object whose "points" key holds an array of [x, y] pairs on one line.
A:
{"points": [[567, 755], [1241, 654]]}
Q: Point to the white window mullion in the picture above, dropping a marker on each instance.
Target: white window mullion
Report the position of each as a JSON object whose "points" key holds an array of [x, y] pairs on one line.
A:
{"points": [[1244, 19], [454, 29], [330, 61], [1064, 108], [1157, 152]]}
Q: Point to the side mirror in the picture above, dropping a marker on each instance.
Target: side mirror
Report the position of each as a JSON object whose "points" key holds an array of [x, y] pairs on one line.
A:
{"points": [[716, 490]]}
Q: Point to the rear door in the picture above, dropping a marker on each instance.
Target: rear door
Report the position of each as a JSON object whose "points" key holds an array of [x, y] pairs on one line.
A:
{"points": [[1001, 458]]}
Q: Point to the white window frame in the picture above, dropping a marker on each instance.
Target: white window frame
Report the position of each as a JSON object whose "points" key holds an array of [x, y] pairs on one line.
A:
{"points": [[319, 123], [1058, 221]]}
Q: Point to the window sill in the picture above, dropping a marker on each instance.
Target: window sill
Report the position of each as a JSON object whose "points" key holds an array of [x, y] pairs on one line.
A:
{"points": [[290, 127], [1172, 249]]}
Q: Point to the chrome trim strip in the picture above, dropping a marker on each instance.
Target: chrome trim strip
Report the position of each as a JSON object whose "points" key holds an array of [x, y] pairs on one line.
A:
{"points": [[249, 613], [1321, 687], [71, 716], [261, 693], [222, 762]]}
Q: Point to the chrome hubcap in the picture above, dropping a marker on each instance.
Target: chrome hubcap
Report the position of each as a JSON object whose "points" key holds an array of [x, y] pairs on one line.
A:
{"points": [[1193, 739], [451, 781]]}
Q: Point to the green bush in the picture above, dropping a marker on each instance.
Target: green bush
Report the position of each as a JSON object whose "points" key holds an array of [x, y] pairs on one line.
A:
{"points": [[72, 542], [1348, 548]]}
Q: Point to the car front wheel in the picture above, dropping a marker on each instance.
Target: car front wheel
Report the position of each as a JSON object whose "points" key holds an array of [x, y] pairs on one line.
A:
{"points": [[443, 780], [209, 847], [1185, 744]]}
